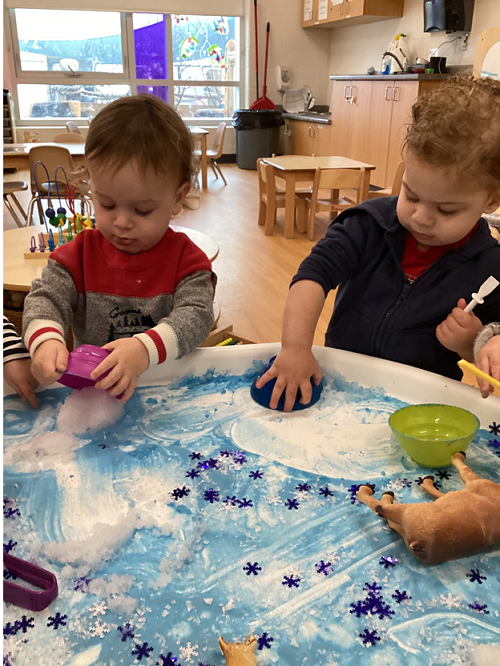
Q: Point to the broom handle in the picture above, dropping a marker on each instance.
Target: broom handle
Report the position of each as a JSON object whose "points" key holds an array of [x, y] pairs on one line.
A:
{"points": [[256, 50], [264, 90]]}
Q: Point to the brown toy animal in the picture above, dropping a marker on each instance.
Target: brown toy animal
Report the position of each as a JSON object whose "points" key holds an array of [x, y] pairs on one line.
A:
{"points": [[239, 654], [457, 524]]}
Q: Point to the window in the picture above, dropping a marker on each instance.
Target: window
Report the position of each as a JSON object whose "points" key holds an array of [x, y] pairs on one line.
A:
{"points": [[71, 63]]}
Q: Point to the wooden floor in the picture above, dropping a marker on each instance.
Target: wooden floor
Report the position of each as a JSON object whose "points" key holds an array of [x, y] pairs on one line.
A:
{"points": [[254, 270]]}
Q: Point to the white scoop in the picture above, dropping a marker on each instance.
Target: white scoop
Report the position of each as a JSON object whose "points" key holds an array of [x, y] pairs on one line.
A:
{"points": [[484, 290]]}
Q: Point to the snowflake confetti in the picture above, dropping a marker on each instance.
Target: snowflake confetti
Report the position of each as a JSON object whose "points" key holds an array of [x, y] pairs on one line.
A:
{"points": [[195, 456], [388, 561], [141, 650], [188, 652], [211, 495], [475, 577], [479, 608], [291, 581], [239, 457], [252, 568], [495, 428], [370, 638], [19, 625], [244, 503], [303, 488], [211, 463], [292, 504], [494, 443], [443, 474], [98, 609], [419, 480], [230, 501], [57, 620], [82, 584], [401, 596], [256, 475], [8, 547], [179, 493], [326, 492], [373, 589], [99, 629], [264, 641], [168, 660], [10, 509], [193, 473], [353, 490], [127, 631], [323, 567], [226, 454]]}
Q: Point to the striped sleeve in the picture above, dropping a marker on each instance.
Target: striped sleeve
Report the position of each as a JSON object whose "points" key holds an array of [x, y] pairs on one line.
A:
{"points": [[13, 347]]}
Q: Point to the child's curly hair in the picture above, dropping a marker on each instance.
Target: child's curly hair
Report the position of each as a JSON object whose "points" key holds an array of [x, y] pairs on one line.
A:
{"points": [[144, 129], [458, 124]]}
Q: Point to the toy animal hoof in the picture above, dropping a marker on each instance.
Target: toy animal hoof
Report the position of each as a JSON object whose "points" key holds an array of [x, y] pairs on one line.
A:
{"points": [[388, 492], [429, 477]]}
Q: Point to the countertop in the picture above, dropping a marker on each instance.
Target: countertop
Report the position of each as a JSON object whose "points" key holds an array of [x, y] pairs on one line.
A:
{"points": [[322, 117], [390, 77]]}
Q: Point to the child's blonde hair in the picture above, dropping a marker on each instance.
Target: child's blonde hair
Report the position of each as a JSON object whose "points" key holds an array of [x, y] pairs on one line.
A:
{"points": [[458, 125], [144, 129]]}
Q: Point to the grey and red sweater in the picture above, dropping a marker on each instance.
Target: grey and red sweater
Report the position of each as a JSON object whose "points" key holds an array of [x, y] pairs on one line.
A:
{"points": [[163, 296]]}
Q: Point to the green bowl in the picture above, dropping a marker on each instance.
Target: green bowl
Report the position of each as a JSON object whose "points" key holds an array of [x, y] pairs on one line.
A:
{"points": [[431, 434]]}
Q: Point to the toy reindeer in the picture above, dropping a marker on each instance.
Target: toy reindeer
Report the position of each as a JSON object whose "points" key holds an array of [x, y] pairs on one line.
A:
{"points": [[239, 654], [457, 524]]}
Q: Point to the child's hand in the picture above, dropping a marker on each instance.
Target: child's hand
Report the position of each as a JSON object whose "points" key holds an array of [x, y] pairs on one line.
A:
{"points": [[18, 376], [293, 369], [50, 361], [129, 358], [459, 330], [488, 360]]}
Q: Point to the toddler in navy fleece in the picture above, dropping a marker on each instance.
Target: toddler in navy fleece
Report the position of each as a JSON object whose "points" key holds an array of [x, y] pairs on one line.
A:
{"points": [[132, 285], [406, 267]]}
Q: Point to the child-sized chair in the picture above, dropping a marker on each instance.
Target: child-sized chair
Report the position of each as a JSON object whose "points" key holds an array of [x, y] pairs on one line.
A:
{"points": [[9, 190], [335, 180], [396, 185], [214, 153], [69, 137], [270, 199]]}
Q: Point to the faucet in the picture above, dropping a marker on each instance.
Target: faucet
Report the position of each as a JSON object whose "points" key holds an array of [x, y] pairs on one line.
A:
{"points": [[388, 53]]}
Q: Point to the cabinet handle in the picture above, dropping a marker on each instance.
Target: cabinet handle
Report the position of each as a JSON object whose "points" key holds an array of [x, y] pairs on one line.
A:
{"points": [[315, 132], [345, 92], [388, 99], [395, 96]]}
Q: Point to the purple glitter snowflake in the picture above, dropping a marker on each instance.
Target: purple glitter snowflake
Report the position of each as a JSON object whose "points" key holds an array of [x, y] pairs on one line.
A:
{"points": [[230, 501], [211, 463], [19, 625], [127, 631], [443, 474], [195, 456], [303, 488], [252, 568], [239, 457], [388, 561], [179, 493], [323, 567], [8, 575], [10, 629], [8, 547], [168, 660], [372, 605], [57, 620], [256, 475], [141, 651], [494, 443], [406, 483], [373, 589], [292, 504], [211, 495], [244, 503], [370, 638], [193, 473], [326, 492], [353, 490], [264, 641], [6, 659], [479, 608], [495, 428], [291, 581], [82, 584], [10, 509], [419, 480], [401, 596], [226, 454], [475, 577]]}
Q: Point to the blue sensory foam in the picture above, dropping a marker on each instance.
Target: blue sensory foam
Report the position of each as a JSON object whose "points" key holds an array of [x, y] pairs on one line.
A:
{"points": [[263, 395]]}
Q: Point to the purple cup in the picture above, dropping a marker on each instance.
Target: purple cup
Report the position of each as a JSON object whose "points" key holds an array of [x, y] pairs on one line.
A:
{"points": [[81, 362]]}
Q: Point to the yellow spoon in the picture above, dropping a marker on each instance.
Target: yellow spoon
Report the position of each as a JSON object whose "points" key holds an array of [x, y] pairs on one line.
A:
{"points": [[464, 365]]}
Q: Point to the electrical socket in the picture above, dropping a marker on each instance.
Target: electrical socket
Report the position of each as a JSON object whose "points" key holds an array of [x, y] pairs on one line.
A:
{"points": [[432, 52], [464, 42]]}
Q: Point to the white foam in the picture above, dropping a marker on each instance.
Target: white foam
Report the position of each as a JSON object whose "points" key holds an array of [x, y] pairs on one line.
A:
{"points": [[88, 410]]}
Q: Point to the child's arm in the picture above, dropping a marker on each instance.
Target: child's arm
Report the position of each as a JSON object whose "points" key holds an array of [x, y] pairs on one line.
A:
{"points": [[181, 332], [459, 330], [487, 356], [295, 364], [17, 364]]}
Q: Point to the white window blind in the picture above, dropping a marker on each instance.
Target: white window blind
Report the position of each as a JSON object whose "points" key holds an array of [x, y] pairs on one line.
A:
{"points": [[199, 7]]}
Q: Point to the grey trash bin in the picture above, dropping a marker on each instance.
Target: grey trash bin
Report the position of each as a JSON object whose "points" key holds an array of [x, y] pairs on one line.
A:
{"points": [[257, 135]]}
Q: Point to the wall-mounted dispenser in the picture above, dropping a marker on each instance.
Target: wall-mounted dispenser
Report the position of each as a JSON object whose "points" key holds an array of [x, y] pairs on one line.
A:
{"points": [[283, 78], [449, 15]]}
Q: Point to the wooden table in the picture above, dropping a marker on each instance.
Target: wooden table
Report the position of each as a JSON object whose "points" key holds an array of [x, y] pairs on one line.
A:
{"points": [[18, 272], [201, 134], [16, 155], [297, 168]]}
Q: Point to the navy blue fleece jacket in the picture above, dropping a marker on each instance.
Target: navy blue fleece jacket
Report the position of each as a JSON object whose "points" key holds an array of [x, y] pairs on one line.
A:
{"points": [[377, 311]]}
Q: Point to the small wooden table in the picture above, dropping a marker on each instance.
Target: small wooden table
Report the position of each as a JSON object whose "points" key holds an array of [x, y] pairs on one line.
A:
{"points": [[18, 272], [201, 134], [297, 168], [16, 155]]}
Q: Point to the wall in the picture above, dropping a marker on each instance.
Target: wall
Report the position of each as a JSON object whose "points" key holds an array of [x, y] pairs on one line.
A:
{"points": [[354, 49]]}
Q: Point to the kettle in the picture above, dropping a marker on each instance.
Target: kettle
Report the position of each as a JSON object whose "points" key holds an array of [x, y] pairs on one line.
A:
{"points": [[309, 100]]}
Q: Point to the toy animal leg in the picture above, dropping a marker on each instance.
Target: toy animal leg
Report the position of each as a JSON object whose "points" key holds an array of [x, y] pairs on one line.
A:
{"points": [[428, 486], [384, 508], [466, 474]]}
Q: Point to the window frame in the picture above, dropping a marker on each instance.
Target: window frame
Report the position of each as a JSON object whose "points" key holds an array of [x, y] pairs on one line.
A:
{"points": [[127, 77]]}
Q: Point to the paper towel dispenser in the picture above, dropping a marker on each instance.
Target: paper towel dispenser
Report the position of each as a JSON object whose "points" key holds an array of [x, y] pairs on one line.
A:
{"points": [[449, 15]]}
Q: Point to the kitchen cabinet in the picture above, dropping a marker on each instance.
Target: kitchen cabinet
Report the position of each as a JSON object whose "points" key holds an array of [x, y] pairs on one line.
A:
{"points": [[306, 138], [340, 13], [369, 120]]}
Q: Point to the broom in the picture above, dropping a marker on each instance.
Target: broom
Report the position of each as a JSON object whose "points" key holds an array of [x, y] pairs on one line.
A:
{"points": [[264, 102]]}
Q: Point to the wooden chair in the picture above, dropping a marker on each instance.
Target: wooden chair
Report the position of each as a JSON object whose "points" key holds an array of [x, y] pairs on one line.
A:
{"points": [[214, 153], [69, 137], [334, 180], [396, 185], [486, 45], [270, 200], [71, 126], [9, 190]]}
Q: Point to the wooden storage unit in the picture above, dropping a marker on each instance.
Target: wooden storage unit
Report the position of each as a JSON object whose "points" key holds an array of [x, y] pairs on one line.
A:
{"points": [[219, 335], [341, 13], [369, 120], [306, 138], [9, 127]]}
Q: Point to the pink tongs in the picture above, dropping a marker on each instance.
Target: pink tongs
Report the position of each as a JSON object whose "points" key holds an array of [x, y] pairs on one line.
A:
{"points": [[22, 596]]}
